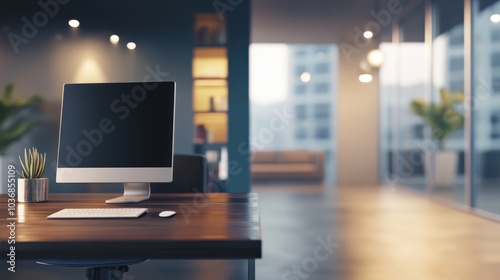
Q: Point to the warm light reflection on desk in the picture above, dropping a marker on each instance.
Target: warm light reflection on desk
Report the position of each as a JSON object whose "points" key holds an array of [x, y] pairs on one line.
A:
{"points": [[21, 213]]}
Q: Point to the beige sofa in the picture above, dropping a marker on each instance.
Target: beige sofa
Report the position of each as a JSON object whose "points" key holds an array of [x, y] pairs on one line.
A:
{"points": [[288, 165]]}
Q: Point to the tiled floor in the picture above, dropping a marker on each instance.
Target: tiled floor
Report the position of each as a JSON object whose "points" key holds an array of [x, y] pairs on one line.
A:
{"points": [[348, 233]]}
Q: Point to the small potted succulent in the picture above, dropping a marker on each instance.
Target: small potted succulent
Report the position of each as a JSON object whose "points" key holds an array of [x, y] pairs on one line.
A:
{"points": [[31, 187]]}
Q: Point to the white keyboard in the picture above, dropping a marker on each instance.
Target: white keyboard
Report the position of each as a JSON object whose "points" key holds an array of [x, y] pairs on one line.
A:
{"points": [[100, 213]]}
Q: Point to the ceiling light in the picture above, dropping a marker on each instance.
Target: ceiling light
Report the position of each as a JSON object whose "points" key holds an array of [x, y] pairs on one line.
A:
{"points": [[368, 34], [365, 78], [114, 39], [305, 77], [131, 46], [375, 58], [74, 23], [495, 18]]}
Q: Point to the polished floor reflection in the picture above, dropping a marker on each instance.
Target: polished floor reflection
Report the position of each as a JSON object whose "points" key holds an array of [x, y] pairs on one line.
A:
{"points": [[348, 233]]}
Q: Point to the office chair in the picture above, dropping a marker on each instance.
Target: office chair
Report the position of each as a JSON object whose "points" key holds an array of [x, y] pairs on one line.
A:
{"points": [[190, 175]]}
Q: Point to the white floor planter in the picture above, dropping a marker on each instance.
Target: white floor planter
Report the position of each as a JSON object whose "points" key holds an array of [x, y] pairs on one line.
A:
{"points": [[444, 169]]}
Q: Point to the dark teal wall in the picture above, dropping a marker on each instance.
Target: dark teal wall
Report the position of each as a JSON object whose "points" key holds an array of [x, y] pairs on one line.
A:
{"points": [[164, 33]]}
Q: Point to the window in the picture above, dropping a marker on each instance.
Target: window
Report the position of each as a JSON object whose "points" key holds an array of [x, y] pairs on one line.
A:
{"points": [[457, 85], [495, 125], [300, 112], [322, 111], [300, 53], [324, 50], [300, 89], [456, 63], [321, 88], [457, 37], [495, 35], [300, 69], [321, 68], [495, 84], [300, 133], [495, 59], [322, 132]]}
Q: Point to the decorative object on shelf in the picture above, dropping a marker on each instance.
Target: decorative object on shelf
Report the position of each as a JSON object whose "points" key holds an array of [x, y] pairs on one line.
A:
{"points": [[211, 104], [444, 118], [31, 187], [201, 134]]}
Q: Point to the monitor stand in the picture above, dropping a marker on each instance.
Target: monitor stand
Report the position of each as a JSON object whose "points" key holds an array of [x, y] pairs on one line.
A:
{"points": [[133, 193]]}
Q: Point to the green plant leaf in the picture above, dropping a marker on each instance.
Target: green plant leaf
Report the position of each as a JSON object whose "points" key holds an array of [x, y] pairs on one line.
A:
{"points": [[33, 165], [15, 131], [11, 108]]}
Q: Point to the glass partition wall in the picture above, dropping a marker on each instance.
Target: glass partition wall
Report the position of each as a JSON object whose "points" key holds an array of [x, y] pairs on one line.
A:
{"points": [[447, 133], [486, 90], [411, 87], [440, 97]]}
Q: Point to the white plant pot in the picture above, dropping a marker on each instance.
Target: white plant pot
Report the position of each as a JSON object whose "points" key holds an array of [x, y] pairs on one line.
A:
{"points": [[444, 169], [33, 190]]}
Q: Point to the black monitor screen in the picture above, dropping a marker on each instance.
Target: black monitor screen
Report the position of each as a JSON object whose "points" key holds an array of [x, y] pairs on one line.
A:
{"points": [[117, 125]]}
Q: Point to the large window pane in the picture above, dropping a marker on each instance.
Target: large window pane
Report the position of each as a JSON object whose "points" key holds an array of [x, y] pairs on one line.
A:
{"points": [[411, 86], [486, 96], [448, 84], [293, 92]]}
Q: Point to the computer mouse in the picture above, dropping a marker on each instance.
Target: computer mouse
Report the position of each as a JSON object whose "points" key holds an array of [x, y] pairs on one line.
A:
{"points": [[166, 214]]}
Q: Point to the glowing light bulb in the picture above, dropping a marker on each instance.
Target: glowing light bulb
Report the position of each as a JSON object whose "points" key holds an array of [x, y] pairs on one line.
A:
{"points": [[495, 18], [74, 23], [114, 39], [305, 77], [375, 58], [131, 45], [368, 34], [365, 78]]}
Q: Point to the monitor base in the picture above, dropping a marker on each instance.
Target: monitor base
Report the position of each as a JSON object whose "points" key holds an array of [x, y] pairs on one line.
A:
{"points": [[132, 193]]}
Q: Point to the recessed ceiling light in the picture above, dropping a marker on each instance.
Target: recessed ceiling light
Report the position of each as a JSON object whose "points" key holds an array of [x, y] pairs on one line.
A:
{"points": [[305, 77], [495, 18], [114, 39], [131, 46], [368, 34], [365, 78], [74, 23]]}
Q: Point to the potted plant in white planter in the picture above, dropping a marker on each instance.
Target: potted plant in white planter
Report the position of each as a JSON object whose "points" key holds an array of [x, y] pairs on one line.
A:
{"points": [[31, 187], [444, 118]]}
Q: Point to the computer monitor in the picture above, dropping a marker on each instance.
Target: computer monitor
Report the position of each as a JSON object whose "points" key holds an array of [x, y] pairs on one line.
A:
{"points": [[117, 133]]}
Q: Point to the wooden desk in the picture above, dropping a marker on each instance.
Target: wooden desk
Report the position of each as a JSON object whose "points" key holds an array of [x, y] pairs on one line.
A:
{"points": [[211, 226]]}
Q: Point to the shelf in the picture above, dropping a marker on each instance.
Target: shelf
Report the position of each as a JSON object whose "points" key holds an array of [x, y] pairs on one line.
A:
{"points": [[210, 112], [210, 63], [215, 124], [210, 86], [209, 29], [210, 96], [208, 45]]}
